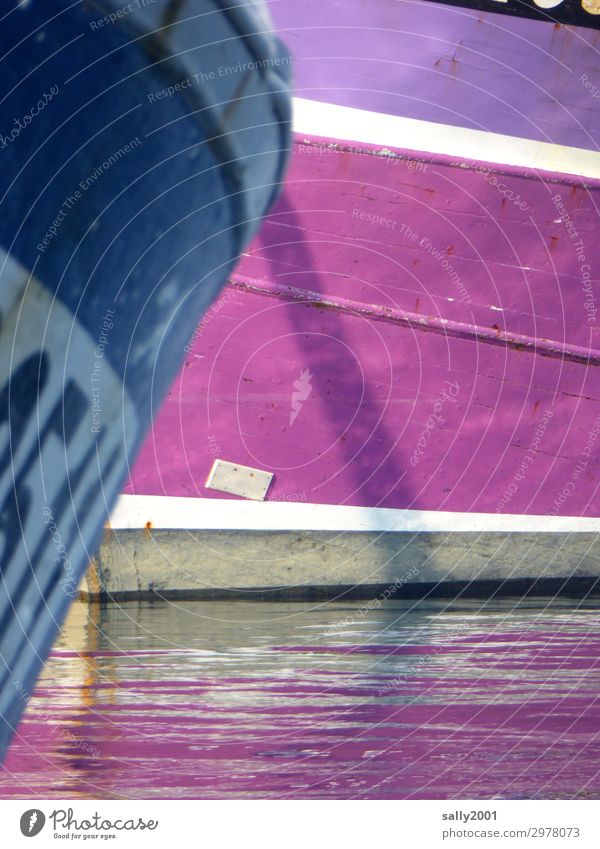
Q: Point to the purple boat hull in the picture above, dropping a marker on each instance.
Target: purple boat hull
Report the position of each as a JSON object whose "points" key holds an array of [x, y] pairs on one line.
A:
{"points": [[463, 320], [449, 65], [414, 334]]}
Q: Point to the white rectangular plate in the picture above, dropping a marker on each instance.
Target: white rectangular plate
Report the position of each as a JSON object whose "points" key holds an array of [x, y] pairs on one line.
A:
{"points": [[239, 480]]}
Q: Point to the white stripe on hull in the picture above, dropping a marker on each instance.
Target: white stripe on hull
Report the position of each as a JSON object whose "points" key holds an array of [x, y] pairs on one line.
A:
{"points": [[328, 120], [134, 512]]}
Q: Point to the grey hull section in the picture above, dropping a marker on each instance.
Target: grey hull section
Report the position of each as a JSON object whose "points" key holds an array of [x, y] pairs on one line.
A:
{"points": [[288, 565]]}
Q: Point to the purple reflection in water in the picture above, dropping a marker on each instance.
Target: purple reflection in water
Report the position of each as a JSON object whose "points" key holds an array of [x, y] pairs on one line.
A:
{"points": [[243, 700]]}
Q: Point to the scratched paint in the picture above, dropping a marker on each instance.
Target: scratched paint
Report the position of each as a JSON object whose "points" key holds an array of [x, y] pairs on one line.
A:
{"points": [[448, 65], [388, 276], [322, 289], [339, 701]]}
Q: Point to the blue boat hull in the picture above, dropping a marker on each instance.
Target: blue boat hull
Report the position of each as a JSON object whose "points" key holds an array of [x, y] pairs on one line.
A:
{"points": [[139, 153]]}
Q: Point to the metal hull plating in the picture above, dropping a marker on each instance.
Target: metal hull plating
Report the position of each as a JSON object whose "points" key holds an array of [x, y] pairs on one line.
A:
{"points": [[123, 173], [416, 328], [457, 370]]}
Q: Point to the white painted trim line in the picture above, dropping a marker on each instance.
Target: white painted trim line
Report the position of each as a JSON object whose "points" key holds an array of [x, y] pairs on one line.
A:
{"points": [[204, 514], [313, 118]]}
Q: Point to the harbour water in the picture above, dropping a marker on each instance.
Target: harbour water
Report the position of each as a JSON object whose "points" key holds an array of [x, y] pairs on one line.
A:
{"points": [[401, 700]]}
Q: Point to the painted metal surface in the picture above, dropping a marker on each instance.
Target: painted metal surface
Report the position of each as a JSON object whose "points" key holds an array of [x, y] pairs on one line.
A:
{"points": [[160, 512], [206, 548], [358, 127], [450, 65], [445, 337], [292, 565], [234, 479], [129, 185]]}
